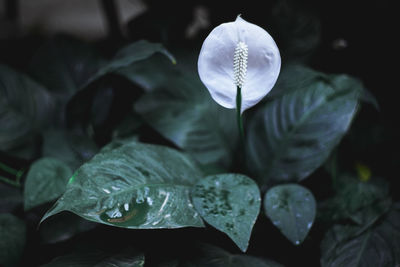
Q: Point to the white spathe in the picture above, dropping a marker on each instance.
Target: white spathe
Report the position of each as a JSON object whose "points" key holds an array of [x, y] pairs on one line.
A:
{"points": [[216, 63]]}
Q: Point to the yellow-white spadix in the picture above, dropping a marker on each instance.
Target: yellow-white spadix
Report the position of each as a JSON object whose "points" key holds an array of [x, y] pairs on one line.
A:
{"points": [[239, 54]]}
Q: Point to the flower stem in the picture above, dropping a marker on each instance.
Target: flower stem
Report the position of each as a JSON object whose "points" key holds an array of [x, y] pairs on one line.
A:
{"points": [[239, 116], [10, 182], [8, 169]]}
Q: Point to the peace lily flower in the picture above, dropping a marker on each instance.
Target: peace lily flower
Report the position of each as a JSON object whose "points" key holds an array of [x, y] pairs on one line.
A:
{"points": [[239, 64]]}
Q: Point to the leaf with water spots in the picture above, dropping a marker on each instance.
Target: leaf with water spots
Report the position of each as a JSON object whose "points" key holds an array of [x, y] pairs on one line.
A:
{"points": [[292, 209], [230, 203], [133, 185]]}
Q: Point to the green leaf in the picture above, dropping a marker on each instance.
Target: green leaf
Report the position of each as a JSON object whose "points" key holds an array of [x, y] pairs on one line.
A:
{"points": [[293, 135], [229, 202], [133, 185], [96, 258], [379, 246], [130, 54], [12, 241], [182, 111], [45, 181], [25, 107], [292, 209], [211, 256]]}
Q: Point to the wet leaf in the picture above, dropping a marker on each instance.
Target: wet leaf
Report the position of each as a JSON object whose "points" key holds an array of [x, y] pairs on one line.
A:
{"points": [[133, 185], [294, 134], [292, 209], [229, 202], [45, 181], [12, 241]]}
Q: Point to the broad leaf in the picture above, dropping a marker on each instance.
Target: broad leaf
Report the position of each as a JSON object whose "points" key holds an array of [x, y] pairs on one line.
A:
{"points": [[25, 107], [12, 241], [130, 54], [133, 185], [45, 181], [294, 134], [126, 258], [230, 203], [378, 247], [292, 209], [182, 111]]}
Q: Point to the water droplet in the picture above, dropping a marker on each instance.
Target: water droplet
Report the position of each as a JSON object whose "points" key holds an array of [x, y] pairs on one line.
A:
{"points": [[115, 188], [107, 191], [298, 215], [309, 225], [128, 214], [297, 242]]}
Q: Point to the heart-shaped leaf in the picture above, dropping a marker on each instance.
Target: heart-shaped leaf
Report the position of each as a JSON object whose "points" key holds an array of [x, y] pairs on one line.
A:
{"points": [[229, 202], [45, 181], [294, 134], [133, 185], [292, 209]]}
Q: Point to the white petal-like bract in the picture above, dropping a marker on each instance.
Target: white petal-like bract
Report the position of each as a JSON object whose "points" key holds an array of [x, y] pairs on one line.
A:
{"points": [[239, 53]]}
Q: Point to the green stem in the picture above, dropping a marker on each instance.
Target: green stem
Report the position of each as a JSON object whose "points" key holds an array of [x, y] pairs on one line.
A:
{"points": [[238, 114], [10, 182], [8, 169]]}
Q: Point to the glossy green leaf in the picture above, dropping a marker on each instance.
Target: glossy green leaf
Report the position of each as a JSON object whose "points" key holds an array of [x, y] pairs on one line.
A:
{"points": [[12, 239], [292, 209], [45, 181], [25, 107], [229, 202], [378, 247], [294, 134], [96, 258], [133, 185], [130, 54], [182, 111]]}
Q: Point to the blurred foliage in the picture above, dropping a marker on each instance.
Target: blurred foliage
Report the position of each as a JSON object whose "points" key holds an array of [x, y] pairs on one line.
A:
{"points": [[124, 134]]}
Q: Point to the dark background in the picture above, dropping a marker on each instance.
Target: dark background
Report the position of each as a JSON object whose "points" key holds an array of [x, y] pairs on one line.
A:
{"points": [[351, 37]]}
